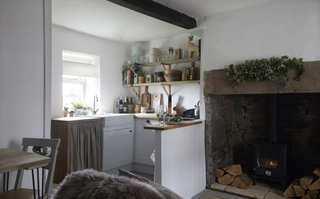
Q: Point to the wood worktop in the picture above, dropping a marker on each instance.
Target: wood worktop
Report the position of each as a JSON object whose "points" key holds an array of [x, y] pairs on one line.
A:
{"points": [[71, 119], [173, 126]]}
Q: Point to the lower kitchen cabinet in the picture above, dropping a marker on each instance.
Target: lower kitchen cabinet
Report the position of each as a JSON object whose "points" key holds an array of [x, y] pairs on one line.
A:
{"points": [[145, 143], [118, 148], [73, 144]]}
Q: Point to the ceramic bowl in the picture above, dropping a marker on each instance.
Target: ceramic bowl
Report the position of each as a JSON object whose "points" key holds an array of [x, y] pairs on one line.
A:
{"points": [[172, 77], [172, 72]]}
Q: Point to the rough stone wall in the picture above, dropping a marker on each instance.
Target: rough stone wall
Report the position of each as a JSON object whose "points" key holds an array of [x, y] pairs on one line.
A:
{"points": [[233, 122], [299, 124]]}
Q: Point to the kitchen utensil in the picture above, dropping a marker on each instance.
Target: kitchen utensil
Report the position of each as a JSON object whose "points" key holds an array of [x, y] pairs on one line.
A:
{"points": [[197, 110], [146, 98], [169, 104], [137, 109], [144, 109], [160, 79], [158, 74]]}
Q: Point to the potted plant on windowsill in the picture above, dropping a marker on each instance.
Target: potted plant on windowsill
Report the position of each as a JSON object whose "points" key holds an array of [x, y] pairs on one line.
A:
{"points": [[71, 113], [65, 111], [78, 107], [141, 75]]}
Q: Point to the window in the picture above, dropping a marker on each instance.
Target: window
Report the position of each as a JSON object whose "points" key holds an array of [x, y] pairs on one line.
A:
{"points": [[81, 78]]}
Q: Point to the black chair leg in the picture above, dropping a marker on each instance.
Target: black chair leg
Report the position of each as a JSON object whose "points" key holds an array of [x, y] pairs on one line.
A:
{"points": [[34, 190]]}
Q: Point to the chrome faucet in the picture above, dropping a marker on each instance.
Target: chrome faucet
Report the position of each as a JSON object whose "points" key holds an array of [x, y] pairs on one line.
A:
{"points": [[94, 111]]}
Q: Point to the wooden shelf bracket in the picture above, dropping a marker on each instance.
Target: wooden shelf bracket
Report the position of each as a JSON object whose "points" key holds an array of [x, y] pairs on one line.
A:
{"points": [[137, 93], [165, 90]]}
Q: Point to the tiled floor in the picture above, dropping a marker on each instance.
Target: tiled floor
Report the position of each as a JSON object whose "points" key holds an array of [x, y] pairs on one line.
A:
{"points": [[218, 193], [261, 190]]}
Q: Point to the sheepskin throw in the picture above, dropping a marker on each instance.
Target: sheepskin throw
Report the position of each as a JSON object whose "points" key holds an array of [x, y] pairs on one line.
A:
{"points": [[91, 184]]}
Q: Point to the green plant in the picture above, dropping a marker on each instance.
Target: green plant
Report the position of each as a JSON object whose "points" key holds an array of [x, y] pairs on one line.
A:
{"points": [[87, 108], [158, 118], [190, 38], [176, 118], [65, 108], [141, 72], [78, 105], [264, 69]]}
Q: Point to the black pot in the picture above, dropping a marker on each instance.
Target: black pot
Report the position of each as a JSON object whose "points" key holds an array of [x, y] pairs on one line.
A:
{"points": [[156, 75]]}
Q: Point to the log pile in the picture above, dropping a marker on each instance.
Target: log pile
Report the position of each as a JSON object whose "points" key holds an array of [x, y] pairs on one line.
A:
{"points": [[232, 175], [307, 187]]}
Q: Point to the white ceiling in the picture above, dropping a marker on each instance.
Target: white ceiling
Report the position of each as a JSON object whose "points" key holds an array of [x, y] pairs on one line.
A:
{"points": [[107, 20]]}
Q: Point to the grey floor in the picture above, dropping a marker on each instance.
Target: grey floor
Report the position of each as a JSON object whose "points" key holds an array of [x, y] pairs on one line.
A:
{"points": [[199, 195], [204, 192], [218, 193]]}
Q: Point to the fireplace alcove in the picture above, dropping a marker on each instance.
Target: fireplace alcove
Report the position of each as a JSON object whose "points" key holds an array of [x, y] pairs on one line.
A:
{"points": [[235, 118]]}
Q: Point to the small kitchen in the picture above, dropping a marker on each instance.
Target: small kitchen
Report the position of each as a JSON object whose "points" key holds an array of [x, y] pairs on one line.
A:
{"points": [[127, 144]]}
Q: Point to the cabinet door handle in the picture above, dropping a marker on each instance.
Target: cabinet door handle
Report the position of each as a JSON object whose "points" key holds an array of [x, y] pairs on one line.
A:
{"points": [[130, 130]]}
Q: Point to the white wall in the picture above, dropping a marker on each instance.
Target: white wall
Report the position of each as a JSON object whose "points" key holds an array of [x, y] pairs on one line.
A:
{"points": [[112, 57], [21, 72], [286, 27]]}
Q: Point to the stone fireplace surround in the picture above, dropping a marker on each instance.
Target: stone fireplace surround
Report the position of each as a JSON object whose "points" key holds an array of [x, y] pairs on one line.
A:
{"points": [[237, 117]]}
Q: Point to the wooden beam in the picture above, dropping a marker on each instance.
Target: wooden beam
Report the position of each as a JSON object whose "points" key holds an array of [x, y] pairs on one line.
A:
{"points": [[158, 11]]}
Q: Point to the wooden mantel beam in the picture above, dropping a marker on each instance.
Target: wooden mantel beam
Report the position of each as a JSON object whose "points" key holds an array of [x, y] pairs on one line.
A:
{"points": [[158, 11]]}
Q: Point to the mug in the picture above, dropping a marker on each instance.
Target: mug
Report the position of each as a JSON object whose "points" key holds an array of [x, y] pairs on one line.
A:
{"points": [[144, 109]]}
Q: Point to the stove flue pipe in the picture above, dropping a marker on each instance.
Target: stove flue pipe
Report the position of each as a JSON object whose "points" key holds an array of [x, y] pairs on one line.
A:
{"points": [[273, 117]]}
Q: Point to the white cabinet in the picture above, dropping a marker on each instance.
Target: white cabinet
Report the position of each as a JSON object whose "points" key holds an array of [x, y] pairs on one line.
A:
{"points": [[145, 142], [118, 142]]}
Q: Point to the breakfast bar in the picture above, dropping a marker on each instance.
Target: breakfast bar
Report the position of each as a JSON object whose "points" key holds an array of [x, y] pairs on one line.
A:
{"points": [[180, 157]]}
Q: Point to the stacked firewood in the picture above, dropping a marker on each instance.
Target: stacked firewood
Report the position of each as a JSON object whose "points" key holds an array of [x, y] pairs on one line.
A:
{"points": [[232, 175], [306, 187]]}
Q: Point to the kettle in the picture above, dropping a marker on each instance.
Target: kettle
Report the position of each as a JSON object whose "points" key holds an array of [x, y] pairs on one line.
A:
{"points": [[197, 110]]}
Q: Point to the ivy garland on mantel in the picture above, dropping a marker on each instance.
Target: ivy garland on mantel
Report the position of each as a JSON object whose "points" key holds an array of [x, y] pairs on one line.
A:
{"points": [[265, 69]]}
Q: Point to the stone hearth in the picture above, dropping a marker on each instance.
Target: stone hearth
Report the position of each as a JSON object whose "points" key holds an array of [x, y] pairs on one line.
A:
{"points": [[237, 117]]}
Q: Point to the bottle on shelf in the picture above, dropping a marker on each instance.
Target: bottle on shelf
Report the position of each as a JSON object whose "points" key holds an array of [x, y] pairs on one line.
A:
{"points": [[120, 105], [125, 105], [193, 72]]}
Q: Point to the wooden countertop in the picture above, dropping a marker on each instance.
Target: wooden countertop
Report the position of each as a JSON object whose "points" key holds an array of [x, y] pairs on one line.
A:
{"points": [[14, 159], [81, 118], [145, 115], [73, 119], [168, 127]]}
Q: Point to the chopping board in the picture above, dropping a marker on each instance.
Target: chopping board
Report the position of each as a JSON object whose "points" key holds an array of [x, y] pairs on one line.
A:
{"points": [[146, 98]]}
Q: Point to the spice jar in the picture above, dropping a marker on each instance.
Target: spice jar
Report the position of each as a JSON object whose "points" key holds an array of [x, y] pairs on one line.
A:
{"points": [[193, 72], [184, 77]]}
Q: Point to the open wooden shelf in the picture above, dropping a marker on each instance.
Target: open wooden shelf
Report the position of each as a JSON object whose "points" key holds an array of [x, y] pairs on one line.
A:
{"points": [[164, 83], [177, 61], [136, 87]]}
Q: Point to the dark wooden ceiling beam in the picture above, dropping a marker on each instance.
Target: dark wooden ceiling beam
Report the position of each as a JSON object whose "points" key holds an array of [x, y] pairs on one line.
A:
{"points": [[158, 11]]}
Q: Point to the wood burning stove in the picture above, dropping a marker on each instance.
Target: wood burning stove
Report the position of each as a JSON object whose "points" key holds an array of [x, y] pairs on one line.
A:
{"points": [[271, 157]]}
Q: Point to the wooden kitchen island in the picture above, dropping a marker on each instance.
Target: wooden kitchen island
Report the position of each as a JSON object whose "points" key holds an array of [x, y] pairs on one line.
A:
{"points": [[180, 157]]}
